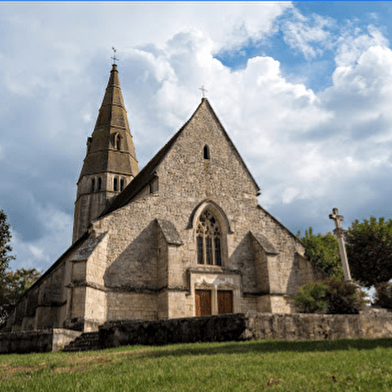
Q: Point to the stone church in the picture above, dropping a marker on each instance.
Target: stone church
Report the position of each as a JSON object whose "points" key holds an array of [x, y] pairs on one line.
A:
{"points": [[183, 237]]}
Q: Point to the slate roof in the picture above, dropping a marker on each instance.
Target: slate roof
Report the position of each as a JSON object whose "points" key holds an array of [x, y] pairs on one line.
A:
{"points": [[148, 172]]}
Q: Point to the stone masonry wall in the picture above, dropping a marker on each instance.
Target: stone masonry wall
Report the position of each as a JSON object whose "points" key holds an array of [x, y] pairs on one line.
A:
{"points": [[245, 327], [317, 326]]}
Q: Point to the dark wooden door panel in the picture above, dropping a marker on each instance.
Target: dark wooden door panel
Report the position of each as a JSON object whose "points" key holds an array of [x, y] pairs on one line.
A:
{"points": [[225, 301], [203, 302]]}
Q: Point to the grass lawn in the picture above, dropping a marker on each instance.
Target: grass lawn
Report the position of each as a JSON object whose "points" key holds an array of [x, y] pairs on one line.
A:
{"points": [[337, 365]]}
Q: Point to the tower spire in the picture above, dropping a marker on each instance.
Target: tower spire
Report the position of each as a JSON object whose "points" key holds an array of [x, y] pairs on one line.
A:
{"points": [[110, 162]]}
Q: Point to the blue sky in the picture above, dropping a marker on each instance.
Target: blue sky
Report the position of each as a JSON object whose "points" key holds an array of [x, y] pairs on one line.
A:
{"points": [[304, 90]]}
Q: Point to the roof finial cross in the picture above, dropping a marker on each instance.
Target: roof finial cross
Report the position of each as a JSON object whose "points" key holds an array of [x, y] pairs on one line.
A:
{"points": [[203, 91], [114, 55]]}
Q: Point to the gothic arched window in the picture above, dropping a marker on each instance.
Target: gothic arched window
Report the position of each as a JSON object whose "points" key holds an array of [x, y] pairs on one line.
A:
{"points": [[99, 183], [115, 184], [208, 239], [121, 184], [118, 143], [93, 185]]}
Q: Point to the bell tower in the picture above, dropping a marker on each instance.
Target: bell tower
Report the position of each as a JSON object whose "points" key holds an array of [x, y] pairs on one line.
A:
{"points": [[110, 163]]}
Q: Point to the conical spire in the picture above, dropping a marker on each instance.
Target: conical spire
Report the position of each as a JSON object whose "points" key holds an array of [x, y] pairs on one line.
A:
{"points": [[111, 147], [110, 163]]}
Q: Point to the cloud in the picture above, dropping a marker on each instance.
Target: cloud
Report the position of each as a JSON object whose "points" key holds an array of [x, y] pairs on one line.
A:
{"points": [[354, 42], [308, 35], [41, 252]]}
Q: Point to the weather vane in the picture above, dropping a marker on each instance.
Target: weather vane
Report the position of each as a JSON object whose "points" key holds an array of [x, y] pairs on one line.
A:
{"points": [[114, 55], [203, 91]]}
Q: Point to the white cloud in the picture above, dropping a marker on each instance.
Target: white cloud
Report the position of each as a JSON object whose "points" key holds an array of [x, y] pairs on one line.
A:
{"points": [[352, 44], [309, 35]]}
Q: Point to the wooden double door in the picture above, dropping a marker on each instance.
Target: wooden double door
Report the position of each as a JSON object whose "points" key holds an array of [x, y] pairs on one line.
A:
{"points": [[204, 302]]}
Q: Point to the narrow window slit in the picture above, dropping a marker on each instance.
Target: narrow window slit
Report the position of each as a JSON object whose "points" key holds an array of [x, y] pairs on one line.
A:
{"points": [[206, 152]]}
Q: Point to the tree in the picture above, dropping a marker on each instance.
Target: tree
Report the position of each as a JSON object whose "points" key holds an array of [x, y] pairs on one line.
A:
{"points": [[12, 284], [369, 251], [5, 247], [323, 252]]}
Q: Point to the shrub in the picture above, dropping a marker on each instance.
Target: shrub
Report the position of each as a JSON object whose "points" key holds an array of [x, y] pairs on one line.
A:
{"points": [[311, 297], [333, 296], [384, 295], [343, 297]]}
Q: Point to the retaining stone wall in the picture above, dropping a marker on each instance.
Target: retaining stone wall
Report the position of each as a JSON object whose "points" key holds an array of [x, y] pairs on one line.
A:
{"points": [[184, 330], [318, 326], [220, 328], [245, 327]]}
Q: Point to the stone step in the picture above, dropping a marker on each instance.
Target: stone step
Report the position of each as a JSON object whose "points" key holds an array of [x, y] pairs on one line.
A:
{"points": [[87, 341]]}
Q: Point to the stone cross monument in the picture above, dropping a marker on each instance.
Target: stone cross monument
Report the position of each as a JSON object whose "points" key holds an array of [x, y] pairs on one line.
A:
{"points": [[339, 232]]}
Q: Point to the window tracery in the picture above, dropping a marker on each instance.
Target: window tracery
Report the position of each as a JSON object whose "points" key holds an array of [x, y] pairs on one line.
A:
{"points": [[208, 240]]}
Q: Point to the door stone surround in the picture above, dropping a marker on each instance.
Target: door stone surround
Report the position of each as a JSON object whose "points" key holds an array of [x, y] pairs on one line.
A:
{"points": [[209, 280]]}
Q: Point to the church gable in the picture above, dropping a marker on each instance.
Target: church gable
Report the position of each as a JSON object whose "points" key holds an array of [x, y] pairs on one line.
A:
{"points": [[203, 162]]}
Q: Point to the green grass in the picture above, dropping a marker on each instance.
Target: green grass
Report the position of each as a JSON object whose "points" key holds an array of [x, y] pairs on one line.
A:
{"points": [[338, 365]]}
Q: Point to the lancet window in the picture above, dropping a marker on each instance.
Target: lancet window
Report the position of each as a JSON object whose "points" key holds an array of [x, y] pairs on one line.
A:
{"points": [[116, 140], [206, 152], [208, 239]]}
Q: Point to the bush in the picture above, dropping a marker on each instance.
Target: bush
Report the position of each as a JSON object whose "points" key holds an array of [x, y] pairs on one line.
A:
{"points": [[384, 295], [344, 297], [332, 296], [311, 297]]}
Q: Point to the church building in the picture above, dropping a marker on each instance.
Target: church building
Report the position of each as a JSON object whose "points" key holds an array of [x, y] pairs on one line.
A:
{"points": [[183, 237]]}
